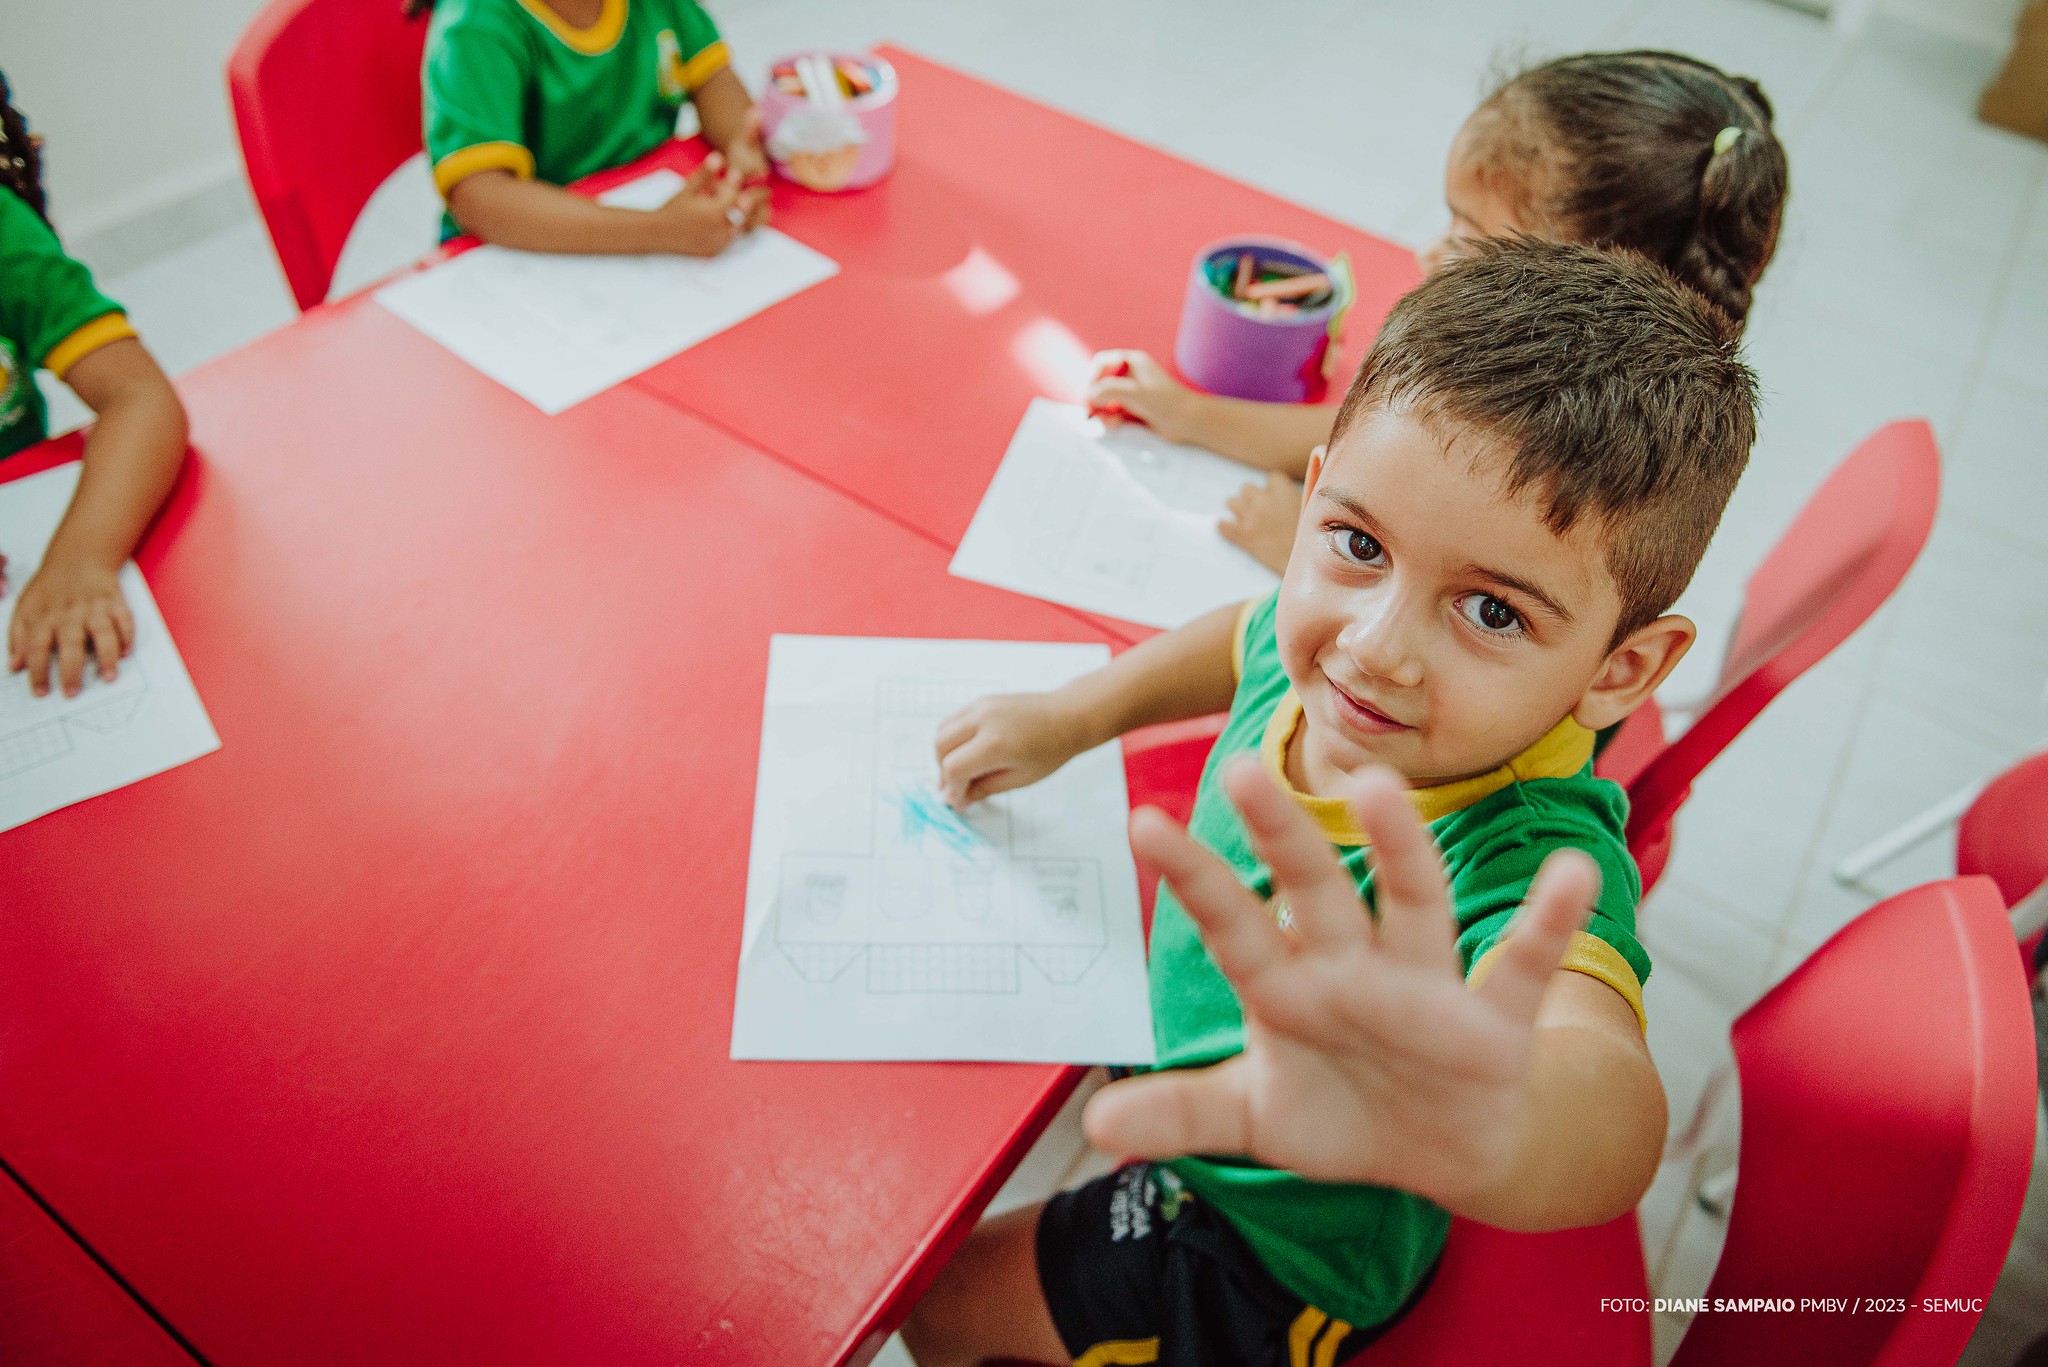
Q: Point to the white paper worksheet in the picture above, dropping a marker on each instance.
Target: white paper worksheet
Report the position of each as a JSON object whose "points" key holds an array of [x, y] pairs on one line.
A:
{"points": [[54, 750], [556, 329], [1111, 520], [880, 924]]}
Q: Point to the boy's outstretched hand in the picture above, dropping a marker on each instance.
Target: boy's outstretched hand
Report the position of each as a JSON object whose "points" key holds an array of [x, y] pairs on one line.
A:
{"points": [[1366, 1058]]}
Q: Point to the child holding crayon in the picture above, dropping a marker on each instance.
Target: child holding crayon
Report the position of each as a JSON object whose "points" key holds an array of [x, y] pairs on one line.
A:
{"points": [[523, 97], [1653, 152], [70, 611], [1365, 1026]]}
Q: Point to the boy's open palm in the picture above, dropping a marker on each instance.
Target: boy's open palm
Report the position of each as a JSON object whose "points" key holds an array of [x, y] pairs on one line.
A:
{"points": [[1367, 1058]]}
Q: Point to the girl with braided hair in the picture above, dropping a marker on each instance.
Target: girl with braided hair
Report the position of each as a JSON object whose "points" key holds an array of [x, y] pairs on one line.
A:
{"points": [[69, 611], [1654, 153]]}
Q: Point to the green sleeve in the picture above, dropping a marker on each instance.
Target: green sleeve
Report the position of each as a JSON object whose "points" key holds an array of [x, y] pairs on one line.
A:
{"points": [[45, 296], [1498, 860], [695, 30], [474, 90]]}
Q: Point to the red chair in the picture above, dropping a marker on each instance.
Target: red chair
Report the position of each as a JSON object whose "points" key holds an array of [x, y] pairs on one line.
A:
{"points": [[2004, 836], [1835, 565], [327, 103], [1887, 1138]]}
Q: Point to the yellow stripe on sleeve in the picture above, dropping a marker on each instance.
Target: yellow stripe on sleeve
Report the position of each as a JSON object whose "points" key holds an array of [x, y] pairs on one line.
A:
{"points": [[706, 64], [1590, 955], [1120, 1353], [465, 162], [108, 327]]}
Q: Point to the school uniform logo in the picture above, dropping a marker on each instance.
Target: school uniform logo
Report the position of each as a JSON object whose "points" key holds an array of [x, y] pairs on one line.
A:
{"points": [[14, 381], [668, 64]]}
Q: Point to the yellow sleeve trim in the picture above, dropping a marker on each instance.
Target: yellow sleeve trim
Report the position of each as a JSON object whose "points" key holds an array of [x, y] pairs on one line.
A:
{"points": [[108, 327], [465, 162], [1120, 1353], [704, 66], [1590, 955], [1244, 618]]}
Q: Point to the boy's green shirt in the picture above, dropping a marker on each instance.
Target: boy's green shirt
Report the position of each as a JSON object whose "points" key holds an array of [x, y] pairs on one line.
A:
{"points": [[51, 314], [1357, 1252], [509, 85]]}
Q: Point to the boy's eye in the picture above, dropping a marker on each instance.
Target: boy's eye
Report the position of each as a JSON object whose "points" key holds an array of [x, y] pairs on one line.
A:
{"points": [[1356, 546], [1489, 613]]}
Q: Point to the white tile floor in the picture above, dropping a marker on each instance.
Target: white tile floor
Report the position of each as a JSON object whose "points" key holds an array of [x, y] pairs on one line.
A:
{"points": [[1913, 280]]}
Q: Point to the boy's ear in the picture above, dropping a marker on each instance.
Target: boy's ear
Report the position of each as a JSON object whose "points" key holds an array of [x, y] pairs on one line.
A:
{"points": [[1315, 470], [1634, 668]]}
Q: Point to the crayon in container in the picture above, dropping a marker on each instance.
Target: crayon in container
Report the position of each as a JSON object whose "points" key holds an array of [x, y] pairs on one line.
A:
{"points": [[1275, 350], [838, 133]]}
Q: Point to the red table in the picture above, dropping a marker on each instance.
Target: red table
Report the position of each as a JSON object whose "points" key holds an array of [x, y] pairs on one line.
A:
{"points": [[894, 381], [395, 1031]]}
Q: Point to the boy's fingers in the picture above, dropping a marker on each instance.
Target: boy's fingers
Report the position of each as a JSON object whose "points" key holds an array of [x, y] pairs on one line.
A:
{"points": [[1560, 901], [124, 622], [706, 171], [1327, 911], [1164, 1115], [1237, 927], [106, 645], [951, 732], [71, 656], [963, 765], [1408, 874]]}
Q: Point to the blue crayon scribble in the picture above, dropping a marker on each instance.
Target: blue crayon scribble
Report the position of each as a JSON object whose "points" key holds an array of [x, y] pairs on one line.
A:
{"points": [[924, 814]]}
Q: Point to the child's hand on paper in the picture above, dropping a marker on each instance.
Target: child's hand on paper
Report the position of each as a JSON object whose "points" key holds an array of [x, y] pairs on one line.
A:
{"points": [[1004, 741], [1140, 387], [1262, 519], [711, 209], [69, 612], [748, 157], [1367, 1058]]}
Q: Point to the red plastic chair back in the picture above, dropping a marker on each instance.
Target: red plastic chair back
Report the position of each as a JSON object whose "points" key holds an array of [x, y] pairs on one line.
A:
{"points": [[2004, 836], [327, 102], [1835, 565], [1887, 1139]]}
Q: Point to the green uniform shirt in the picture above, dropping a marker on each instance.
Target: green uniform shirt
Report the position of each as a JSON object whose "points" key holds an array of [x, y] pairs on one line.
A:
{"points": [[508, 84], [1357, 1252], [50, 316]]}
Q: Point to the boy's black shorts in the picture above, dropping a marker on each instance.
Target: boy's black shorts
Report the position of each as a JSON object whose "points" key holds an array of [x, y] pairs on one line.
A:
{"points": [[1136, 1270]]}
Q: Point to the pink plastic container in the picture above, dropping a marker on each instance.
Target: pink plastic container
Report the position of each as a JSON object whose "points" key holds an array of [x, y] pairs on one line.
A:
{"points": [[831, 148], [1227, 350]]}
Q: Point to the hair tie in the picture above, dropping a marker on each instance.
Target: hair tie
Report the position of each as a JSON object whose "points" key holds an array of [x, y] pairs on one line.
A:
{"points": [[1726, 139]]}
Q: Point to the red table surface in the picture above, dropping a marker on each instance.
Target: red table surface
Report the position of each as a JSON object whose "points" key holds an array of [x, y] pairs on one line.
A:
{"points": [[58, 1309], [395, 1031], [883, 384]]}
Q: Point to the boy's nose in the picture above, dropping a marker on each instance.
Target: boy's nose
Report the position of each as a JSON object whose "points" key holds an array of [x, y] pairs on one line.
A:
{"points": [[1382, 646]]}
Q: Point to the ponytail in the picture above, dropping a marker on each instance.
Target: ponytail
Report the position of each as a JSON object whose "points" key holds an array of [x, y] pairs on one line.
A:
{"points": [[1657, 153], [21, 161]]}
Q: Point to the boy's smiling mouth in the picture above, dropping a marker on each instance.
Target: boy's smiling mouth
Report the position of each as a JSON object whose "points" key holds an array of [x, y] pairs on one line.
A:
{"points": [[1356, 714]]}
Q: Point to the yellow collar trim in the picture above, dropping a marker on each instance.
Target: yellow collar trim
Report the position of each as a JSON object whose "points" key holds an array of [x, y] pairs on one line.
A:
{"points": [[600, 37], [1560, 753]]}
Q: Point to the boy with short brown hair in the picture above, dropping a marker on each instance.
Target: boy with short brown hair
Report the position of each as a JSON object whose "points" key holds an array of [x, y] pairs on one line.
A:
{"points": [[1522, 479]]}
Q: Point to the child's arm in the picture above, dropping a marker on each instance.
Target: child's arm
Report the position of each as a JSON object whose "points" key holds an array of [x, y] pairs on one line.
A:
{"points": [[1268, 436], [1527, 1101], [701, 219], [732, 123], [73, 608], [1008, 740]]}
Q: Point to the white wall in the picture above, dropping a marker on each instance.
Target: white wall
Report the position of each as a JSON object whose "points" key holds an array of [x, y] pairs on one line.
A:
{"points": [[131, 99], [1989, 22]]}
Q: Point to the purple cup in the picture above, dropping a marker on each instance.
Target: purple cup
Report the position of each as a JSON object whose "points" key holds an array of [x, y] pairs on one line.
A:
{"points": [[1226, 350]]}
